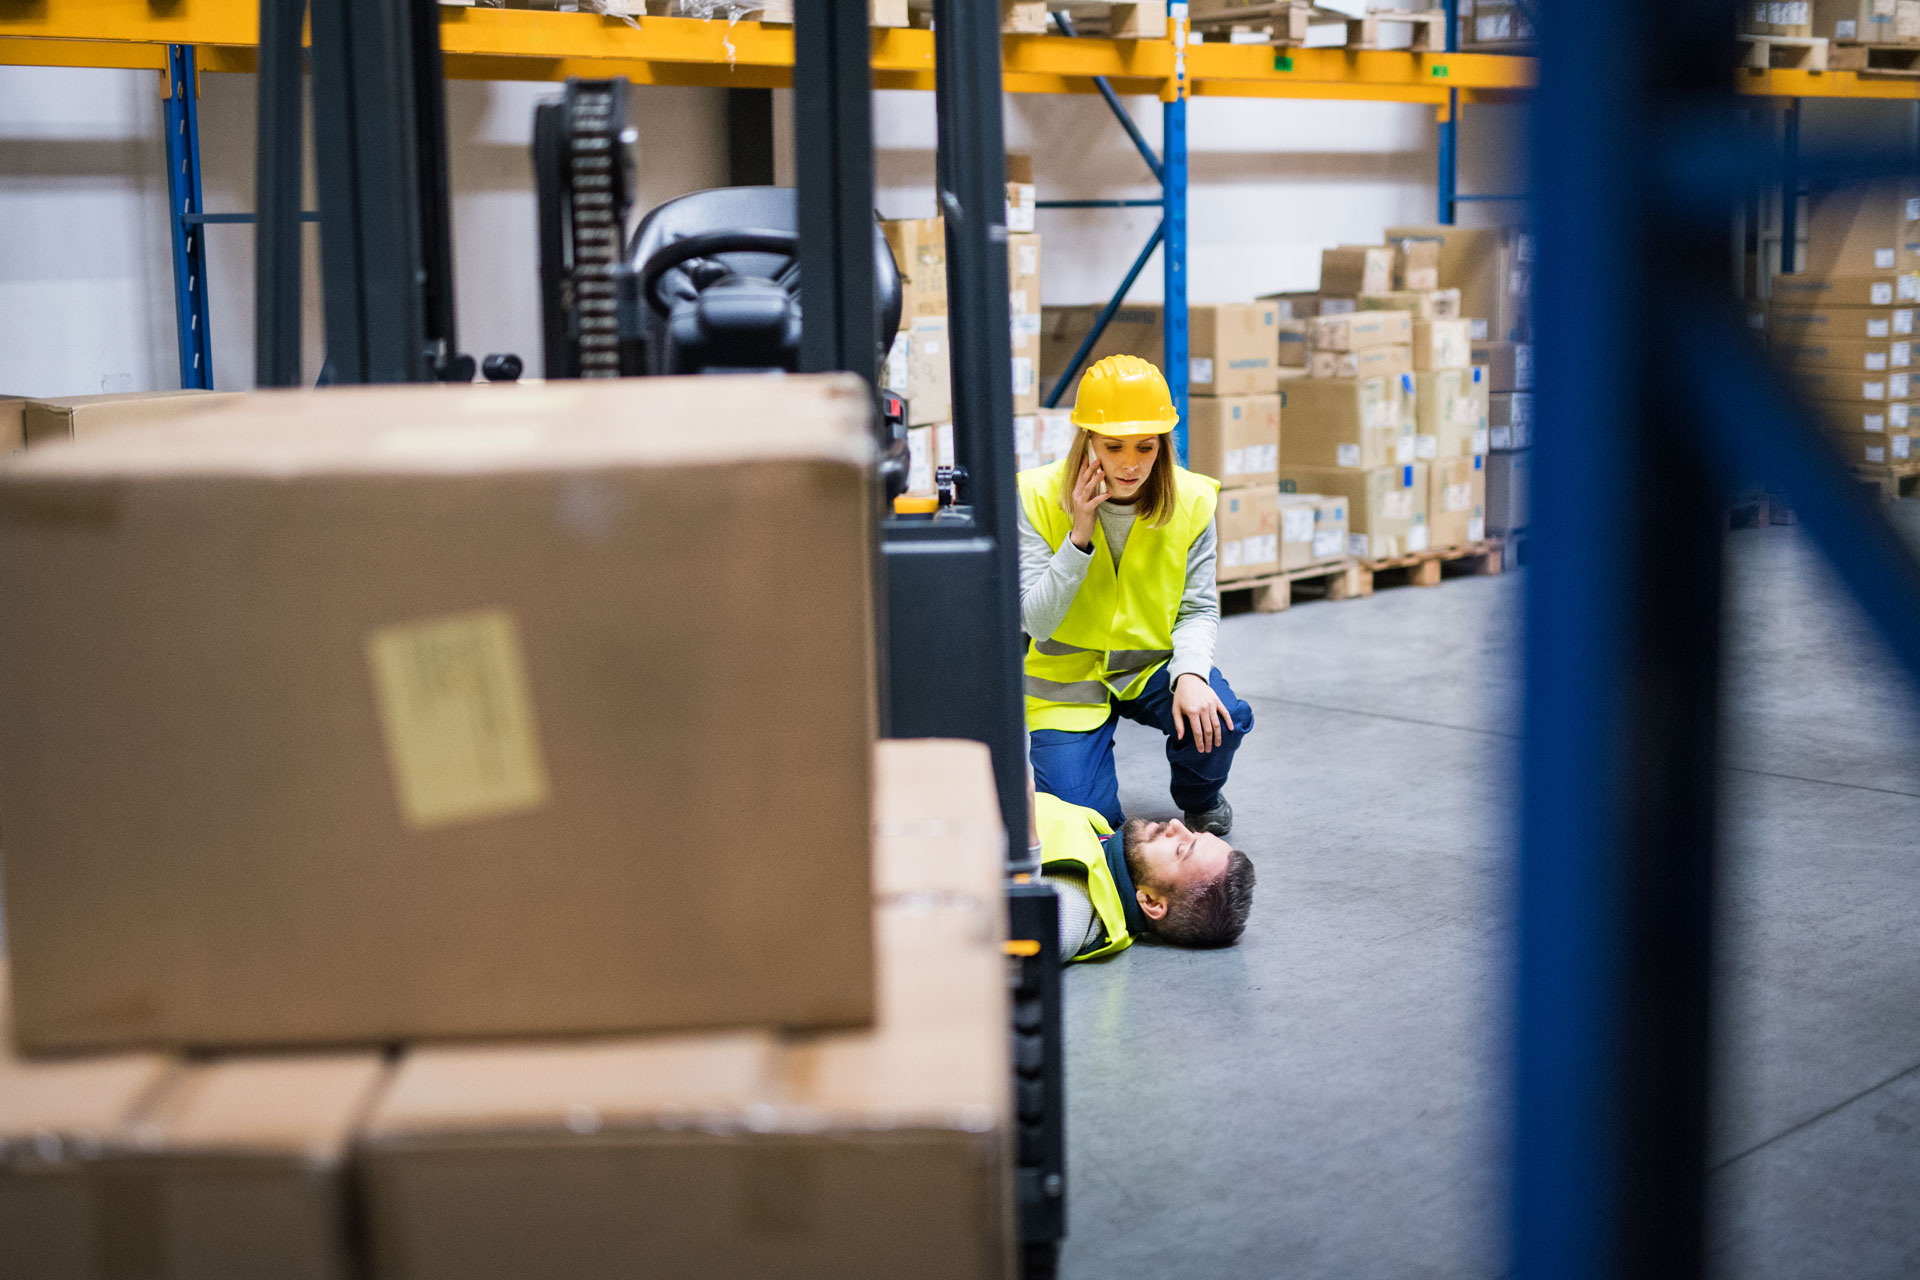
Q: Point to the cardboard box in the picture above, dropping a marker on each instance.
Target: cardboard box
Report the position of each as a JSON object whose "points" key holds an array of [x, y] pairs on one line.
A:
{"points": [[1835, 384], [1493, 269], [1858, 417], [1821, 292], [1509, 486], [1882, 449], [1293, 343], [1372, 362], [1313, 529], [1839, 324], [1023, 307], [1305, 306], [1509, 420], [1448, 418], [1457, 500], [1779, 18], [1249, 531], [64, 417], [1867, 21], [1359, 330], [13, 425], [1509, 365], [1863, 228], [1235, 439], [381, 687], [882, 1152], [1416, 266], [1352, 423], [1357, 269], [1441, 344], [1428, 304], [920, 251], [1386, 506], [1026, 441], [1056, 432], [920, 368], [1495, 22], [1232, 347], [1856, 357], [1021, 204]]}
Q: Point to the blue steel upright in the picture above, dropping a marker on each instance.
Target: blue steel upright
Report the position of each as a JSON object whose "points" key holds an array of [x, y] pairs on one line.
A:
{"points": [[1173, 178], [1448, 168], [184, 213]]}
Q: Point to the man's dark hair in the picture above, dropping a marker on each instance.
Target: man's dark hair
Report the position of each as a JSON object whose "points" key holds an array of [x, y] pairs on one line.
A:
{"points": [[1213, 915]]}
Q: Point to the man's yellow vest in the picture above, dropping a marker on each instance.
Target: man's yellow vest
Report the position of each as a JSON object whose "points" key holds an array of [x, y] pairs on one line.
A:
{"points": [[1120, 628], [1070, 840]]}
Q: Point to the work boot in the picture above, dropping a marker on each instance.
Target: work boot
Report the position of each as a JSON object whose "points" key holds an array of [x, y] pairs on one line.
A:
{"points": [[1217, 821]]}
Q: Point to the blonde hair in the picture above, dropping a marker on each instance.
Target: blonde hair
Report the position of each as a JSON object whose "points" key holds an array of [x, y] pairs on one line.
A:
{"points": [[1158, 496]]}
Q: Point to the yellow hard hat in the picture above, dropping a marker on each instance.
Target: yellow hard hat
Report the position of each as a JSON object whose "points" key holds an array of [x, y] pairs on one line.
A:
{"points": [[1124, 396]]}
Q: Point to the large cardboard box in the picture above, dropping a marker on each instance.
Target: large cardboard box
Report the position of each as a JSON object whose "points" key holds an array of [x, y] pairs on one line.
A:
{"points": [[1863, 228], [1867, 21], [1846, 385], [1021, 192], [1313, 528], [1448, 416], [1386, 506], [1249, 533], [1509, 483], [1778, 18], [1875, 449], [1372, 362], [1232, 347], [1839, 324], [1235, 439], [1360, 330], [1441, 344], [1457, 500], [1424, 304], [1023, 306], [13, 425], [920, 368], [64, 417], [1856, 416], [356, 715], [862, 1154], [1881, 356], [1357, 269], [1510, 420], [1493, 269], [1351, 423], [1416, 266], [920, 251], [1883, 289], [1509, 365], [1056, 432]]}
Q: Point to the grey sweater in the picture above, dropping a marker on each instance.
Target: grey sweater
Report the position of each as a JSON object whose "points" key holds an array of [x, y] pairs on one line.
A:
{"points": [[1049, 580]]}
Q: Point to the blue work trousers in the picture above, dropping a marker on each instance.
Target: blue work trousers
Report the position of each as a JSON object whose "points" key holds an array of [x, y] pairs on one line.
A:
{"points": [[1078, 767]]}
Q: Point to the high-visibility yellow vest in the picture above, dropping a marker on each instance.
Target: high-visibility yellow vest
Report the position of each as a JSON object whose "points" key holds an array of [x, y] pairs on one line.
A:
{"points": [[1120, 628], [1070, 840]]}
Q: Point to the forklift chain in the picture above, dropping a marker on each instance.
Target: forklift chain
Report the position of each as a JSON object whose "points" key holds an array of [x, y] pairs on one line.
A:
{"points": [[598, 197]]}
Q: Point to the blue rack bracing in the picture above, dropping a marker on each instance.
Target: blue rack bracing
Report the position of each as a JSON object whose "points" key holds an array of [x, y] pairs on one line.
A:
{"points": [[187, 219]]}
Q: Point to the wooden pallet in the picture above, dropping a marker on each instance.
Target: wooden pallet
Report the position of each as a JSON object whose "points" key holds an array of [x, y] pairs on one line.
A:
{"points": [[880, 13], [1428, 28], [1759, 53], [1890, 484], [1273, 592], [1893, 60], [1283, 25], [1485, 558]]}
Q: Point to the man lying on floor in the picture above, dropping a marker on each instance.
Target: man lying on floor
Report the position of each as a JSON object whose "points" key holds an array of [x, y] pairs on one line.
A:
{"points": [[1181, 886]]}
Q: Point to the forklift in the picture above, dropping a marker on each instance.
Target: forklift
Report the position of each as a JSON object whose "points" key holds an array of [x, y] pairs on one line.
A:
{"points": [[761, 279]]}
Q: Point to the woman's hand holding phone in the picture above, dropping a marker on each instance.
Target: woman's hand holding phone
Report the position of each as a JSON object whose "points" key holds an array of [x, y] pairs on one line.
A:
{"points": [[1089, 492]]}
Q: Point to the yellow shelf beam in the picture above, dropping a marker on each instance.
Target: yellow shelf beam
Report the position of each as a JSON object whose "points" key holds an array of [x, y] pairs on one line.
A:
{"points": [[519, 44]]}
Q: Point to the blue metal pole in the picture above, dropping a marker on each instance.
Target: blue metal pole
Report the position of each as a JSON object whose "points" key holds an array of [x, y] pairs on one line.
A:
{"points": [[1790, 191], [1448, 177], [184, 214], [1173, 184]]}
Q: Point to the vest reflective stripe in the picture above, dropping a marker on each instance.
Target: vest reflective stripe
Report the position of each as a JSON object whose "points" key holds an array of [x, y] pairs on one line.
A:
{"points": [[1119, 629], [1070, 838]]}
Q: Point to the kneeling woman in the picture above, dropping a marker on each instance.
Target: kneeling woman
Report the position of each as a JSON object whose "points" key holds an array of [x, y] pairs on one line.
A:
{"points": [[1120, 606]]}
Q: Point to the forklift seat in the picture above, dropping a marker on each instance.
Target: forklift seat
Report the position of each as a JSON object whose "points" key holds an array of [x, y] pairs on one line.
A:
{"points": [[716, 284]]}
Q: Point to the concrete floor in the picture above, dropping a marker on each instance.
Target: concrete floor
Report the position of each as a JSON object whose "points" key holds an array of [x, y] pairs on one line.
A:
{"points": [[1327, 1099]]}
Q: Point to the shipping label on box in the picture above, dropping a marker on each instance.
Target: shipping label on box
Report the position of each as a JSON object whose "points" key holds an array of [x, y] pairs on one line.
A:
{"points": [[1234, 439], [1248, 521], [1427, 304], [1441, 344], [1370, 362], [1359, 330], [1356, 269]]}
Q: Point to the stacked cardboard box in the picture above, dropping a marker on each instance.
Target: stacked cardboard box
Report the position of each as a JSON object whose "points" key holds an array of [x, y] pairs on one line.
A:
{"points": [[1843, 327], [1497, 25], [1857, 21], [1493, 270], [1509, 377], [385, 747]]}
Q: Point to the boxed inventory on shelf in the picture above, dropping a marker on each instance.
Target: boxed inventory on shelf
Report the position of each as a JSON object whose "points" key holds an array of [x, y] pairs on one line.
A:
{"points": [[1368, 362], [863, 1155], [1857, 416], [1838, 324], [1509, 482], [1509, 420], [1021, 206], [1352, 423], [1441, 344], [1779, 18], [1494, 22], [380, 686], [1293, 343], [919, 365], [1867, 21], [1426, 304], [1493, 269], [1457, 500], [1863, 227], [1234, 439], [1232, 347], [1357, 269], [1847, 385], [64, 417], [1846, 290], [1416, 266], [1249, 532], [1023, 307], [1874, 449], [1305, 306], [1313, 529], [1360, 330], [1386, 506], [1509, 365], [1449, 412], [1862, 357]]}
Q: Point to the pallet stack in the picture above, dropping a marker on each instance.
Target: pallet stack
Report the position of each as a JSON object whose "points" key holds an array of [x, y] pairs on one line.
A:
{"points": [[1289, 25], [1844, 326]]}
